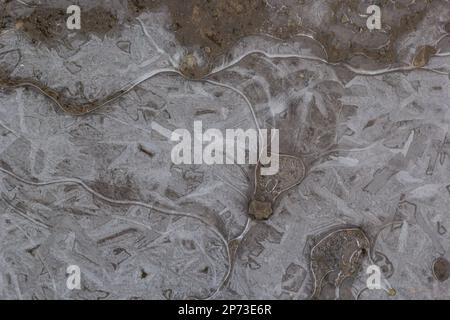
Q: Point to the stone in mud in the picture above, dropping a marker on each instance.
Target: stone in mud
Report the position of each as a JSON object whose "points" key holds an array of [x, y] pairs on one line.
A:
{"points": [[335, 257], [260, 210], [423, 55], [441, 269], [268, 188], [191, 68]]}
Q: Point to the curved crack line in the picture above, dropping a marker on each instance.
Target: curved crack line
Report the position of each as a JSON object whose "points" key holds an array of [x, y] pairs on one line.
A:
{"points": [[91, 106], [157, 47], [252, 110], [233, 254], [240, 93], [317, 59], [128, 203], [79, 182], [55, 291], [24, 214], [107, 199], [87, 107], [54, 97], [323, 239]]}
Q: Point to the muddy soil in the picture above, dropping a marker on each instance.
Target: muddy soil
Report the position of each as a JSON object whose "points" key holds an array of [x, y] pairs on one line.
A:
{"points": [[208, 29]]}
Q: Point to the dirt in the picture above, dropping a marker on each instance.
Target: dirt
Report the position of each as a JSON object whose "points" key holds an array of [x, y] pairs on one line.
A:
{"points": [[6, 21], [336, 257], [268, 189], [44, 25], [260, 210], [136, 7], [191, 69], [441, 269], [48, 25], [99, 22], [340, 49], [423, 55], [211, 28], [208, 29], [70, 106]]}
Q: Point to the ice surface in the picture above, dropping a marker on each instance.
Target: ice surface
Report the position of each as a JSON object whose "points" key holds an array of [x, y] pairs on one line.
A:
{"points": [[86, 176]]}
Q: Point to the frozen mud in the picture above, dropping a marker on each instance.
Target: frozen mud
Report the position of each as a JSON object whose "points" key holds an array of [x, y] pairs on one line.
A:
{"points": [[86, 176]]}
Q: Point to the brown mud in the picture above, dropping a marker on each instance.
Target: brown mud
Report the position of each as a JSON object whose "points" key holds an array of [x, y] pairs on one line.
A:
{"points": [[441, 269], [209, 29], [69, 106], [336, 258]]}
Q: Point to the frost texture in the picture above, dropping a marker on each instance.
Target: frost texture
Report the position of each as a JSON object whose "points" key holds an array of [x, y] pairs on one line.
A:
{"points": [[101, 192]]}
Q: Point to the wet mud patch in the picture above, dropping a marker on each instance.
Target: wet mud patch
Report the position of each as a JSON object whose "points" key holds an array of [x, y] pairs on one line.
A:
{"points": [[269, 188], [314, 122], [345, 35], [137, 7], [43, 24], [73, 106], [441, 269], [207, 29], [217, 24], [48, 25], [423, 55], [335, 258], [99, 21]]}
